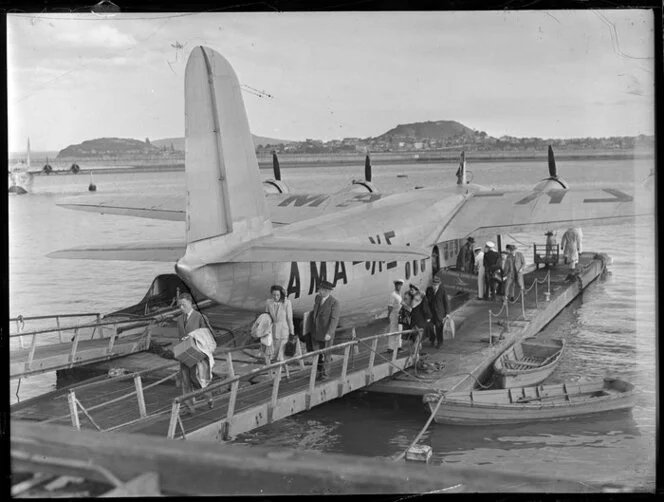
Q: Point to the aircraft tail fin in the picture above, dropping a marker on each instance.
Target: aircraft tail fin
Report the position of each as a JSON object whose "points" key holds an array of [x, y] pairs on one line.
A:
{"points": [[225, 199]]}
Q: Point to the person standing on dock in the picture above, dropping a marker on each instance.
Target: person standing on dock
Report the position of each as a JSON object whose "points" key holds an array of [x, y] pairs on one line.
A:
{"points": [[190, 320], [491, 266], [465, 258], [550, 247], [324, 320], [571, 246], [513, 272], [393, 306], [437, 298], [479, 270], [281, 312]]}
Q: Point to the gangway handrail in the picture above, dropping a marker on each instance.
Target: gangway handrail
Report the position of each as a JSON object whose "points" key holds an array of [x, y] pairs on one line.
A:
{"points": [[293, 359], [62, 316]]}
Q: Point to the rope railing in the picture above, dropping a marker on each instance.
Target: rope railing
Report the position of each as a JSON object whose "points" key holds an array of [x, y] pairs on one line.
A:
{"points": [[522, 298]]}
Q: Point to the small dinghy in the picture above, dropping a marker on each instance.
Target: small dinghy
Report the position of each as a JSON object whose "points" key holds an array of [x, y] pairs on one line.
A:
{"points": [[532, 404], [527, 363]]}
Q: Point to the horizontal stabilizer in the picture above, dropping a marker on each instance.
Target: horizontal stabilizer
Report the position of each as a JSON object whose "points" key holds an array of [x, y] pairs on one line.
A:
{"points": [[156, 207], [169, 251]]}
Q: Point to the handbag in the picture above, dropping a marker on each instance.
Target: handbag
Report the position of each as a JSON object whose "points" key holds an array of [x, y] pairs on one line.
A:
{"points": [[289, 348]]}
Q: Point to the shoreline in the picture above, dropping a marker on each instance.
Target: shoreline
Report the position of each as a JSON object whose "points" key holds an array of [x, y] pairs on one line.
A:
{"points": [[61, 167]]}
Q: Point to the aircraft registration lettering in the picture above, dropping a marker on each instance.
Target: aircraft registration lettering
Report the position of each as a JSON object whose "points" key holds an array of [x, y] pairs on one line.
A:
{"points": [[304, 200], [618, 196], [361, 197], [555, 196], [318, 273]]}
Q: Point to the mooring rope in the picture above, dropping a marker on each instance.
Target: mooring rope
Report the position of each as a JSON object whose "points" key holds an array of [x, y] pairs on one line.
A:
{"points": [[410, 354], [426, 426]]}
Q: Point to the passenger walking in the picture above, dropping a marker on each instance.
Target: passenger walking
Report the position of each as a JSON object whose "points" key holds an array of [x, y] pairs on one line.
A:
{"points": [[492, 268], [466, 258], [281, 312], [404, 315], [190, 320], [514, 267], [393, 307], [439, 307], [420, 317], [571, 246], [324, 319], [479, 270]]}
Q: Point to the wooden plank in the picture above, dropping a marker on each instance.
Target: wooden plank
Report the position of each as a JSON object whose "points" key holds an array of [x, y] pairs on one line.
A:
{"points": [[146, 484], [193, 468]]}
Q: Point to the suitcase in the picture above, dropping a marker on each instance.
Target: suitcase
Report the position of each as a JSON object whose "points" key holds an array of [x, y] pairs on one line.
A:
{"points": [[187, 353]]}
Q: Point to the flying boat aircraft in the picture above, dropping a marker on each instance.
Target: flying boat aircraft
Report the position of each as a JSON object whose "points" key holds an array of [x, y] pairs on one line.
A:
{"points": [[240, 241]]}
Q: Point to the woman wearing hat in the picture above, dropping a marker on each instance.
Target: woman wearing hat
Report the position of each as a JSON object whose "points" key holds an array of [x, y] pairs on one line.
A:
{"points": [[491, 267], [281, 312]]}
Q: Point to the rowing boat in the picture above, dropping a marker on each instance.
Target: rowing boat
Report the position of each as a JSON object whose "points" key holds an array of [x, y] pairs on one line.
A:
{"points": [[527, 363], [530, 404]]}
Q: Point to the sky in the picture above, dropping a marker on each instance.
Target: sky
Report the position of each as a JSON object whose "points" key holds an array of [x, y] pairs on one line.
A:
{"points": [[549, 74]]}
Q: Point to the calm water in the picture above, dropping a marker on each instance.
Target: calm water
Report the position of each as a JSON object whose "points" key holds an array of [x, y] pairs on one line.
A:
{"points": [[610, 329]]}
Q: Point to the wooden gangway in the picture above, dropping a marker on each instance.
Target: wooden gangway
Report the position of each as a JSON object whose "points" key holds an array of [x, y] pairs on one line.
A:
{"points": [[54, 346], [139, 403]]}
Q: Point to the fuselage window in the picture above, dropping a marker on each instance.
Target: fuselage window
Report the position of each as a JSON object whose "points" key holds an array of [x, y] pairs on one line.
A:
{"points": [[423, 265], [415, 267], [407, 270]]}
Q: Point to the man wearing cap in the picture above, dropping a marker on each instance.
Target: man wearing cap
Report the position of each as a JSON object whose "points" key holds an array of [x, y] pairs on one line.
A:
{"points": [[324, 319], [393, 306], [439, 308], [491, 266], [479, 270]]}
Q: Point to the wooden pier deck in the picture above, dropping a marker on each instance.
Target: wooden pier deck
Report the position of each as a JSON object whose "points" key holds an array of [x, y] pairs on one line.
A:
{"points": [[469, 357], [143, 403]]}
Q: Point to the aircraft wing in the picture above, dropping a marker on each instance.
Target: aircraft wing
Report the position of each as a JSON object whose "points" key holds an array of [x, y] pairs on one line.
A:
{"points": [[284, 208], [269, 249], [502, 212]]}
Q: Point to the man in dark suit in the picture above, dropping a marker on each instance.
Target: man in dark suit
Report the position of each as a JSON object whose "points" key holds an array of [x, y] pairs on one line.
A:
{"points": [[439, 307], [322, 325], [189, 321]]}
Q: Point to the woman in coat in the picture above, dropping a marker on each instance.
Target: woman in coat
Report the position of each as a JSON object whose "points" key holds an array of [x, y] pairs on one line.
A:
{"points": [[420, 316], [281, 311]]}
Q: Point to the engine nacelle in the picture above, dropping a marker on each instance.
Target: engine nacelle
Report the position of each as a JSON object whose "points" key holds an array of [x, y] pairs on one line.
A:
{"points": [[551, 184], [362, 186], [275, 187]]}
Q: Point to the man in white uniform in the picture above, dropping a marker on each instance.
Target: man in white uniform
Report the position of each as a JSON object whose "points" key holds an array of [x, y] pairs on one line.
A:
{"points": [[479, 270], [393, 307]]}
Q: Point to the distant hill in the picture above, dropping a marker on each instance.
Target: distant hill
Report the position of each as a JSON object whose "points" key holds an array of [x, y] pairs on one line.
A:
{"points": [[178, 143], [439, 130], [110, 147]]}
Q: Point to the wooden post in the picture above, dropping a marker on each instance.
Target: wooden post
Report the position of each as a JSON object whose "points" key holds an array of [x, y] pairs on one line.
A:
{"points": [[394, 359], [175, 414], [372, 357], [312, 382], [31, 355], [139, 395], [490, 330], [298, 352], [73, 410], [231, 407], [356, 348], [149, 335], [229, 360], [536, 299], [507, 316], [275, 394], [523, 305], [114, 333], [74, 346], [57, 321], [344, 369]]}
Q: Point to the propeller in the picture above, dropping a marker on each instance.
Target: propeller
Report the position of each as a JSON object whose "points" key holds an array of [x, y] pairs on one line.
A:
{"points": [[553, 171], [367, 168], [553, 181], [275, 166]]}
